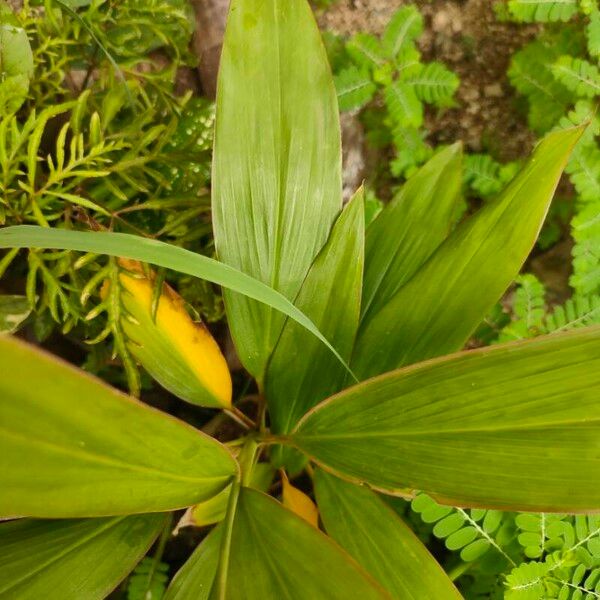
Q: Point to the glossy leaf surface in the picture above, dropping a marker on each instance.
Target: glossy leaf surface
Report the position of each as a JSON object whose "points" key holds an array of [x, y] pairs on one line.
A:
{"points": [[71, 446], [440, 307], [375, 536], [408, 230], [511, 427], [72, 559], [290, 559], [301, 372], [277, 160], [134, 247]]}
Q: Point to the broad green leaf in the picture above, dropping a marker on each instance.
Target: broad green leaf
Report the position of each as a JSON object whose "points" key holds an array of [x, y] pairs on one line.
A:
{"points": [[161, 254], [72, 559], [300, 373], [512, 427], [70, 446], [444, 302], [410, 228], [379, 540], [273, 554], [13, 311], [277, 160]]}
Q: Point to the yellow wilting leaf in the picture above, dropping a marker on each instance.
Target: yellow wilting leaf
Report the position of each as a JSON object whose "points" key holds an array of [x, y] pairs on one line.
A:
{"points": [[179, 353], [299, 503]]}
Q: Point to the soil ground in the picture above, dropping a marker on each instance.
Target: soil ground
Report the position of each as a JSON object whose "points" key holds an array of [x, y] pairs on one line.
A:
{"points": [[468, 37]]}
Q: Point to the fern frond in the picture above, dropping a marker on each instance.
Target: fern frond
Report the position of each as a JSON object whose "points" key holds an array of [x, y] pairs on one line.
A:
{"points": [[586, 252], [584, 172], [483, 174], [148, 580], [578, 311], [404, 108], [528, 308], [411, 150], [433, 83], [578, 75], [405, 26], [470, 531], [354, 88], [530, 74], [366, 52], [542, 10], [592, 33]]}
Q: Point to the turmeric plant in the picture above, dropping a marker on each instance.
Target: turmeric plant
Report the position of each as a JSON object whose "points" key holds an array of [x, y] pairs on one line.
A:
{"points": [[354, 338]]}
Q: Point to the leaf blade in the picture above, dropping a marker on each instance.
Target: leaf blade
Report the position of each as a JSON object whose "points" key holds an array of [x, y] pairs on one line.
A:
{"points": [[439, 308], [133, 247], [62, 559], [88, 459], [510, 427], [374, 535], [277, 160], [293, 560]]}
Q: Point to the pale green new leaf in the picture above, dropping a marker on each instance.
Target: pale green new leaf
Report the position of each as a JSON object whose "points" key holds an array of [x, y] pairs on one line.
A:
{"points": [[439, 308], [410, 228], [277, 160], [375, 536], [71, 446], [512, 427], [72, 559], [301, 372], [158, 253], [273, 554]]}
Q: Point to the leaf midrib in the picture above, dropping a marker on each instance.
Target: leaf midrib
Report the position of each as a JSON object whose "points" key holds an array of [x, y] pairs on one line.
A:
{"points": [[108, 461]]}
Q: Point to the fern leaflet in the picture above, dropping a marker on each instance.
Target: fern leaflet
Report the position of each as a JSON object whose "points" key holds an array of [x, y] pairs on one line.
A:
{"points": [[354, 88], [542, 10], [405, 26], [578, 75]]}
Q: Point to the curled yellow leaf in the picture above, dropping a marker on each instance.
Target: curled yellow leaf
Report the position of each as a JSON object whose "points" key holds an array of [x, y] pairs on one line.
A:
{"points": [[298, 502], [178, 352]]}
